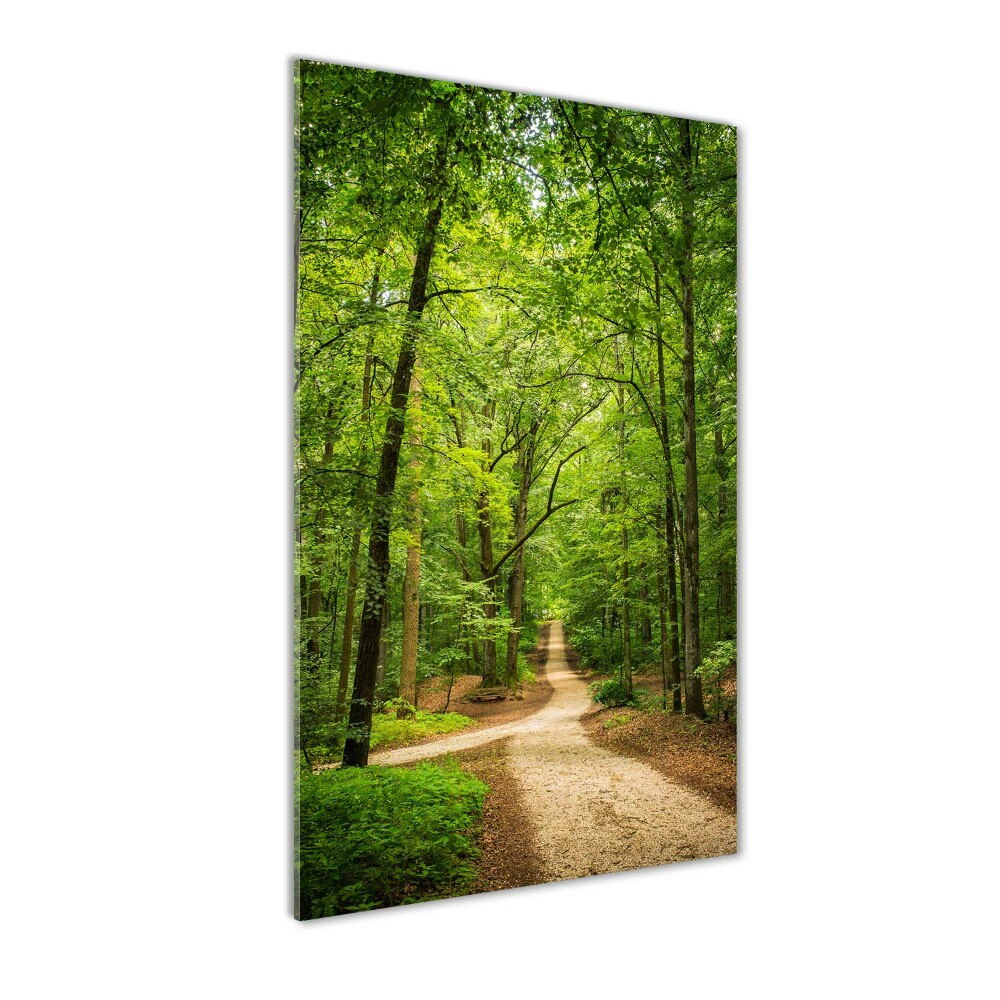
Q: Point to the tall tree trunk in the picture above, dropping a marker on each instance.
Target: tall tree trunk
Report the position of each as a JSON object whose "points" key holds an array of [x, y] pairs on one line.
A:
{"points": [[515, 593], [669, 517], [672, 609], [471, 646], [661, 607], [313, 607], [347, 639], [348, 634], [411, 581], [360, 720], [626, 629], [692, 625], [490, 582], [383, 645]]}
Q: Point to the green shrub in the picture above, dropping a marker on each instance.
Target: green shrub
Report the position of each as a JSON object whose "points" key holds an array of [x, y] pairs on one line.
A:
{"points": [[616, 720], [380, 836], [720, 697], [525, 675], [610, 693], [644, 699], [529, 635], [399, 707], [318, 734]]}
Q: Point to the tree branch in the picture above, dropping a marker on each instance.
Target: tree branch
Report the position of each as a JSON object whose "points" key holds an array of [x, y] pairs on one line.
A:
{"points": [[530, 532], [549, 511]]}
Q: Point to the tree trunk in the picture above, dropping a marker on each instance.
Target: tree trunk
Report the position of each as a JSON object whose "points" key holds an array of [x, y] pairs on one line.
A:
{"points": [[383, 646], [692, 625], [359, 724], [669, 517], [666, 667], [471, 646], [313, 607], [352, 569], [672, 610], [411, 581], [489, 580], [626, 630], [515, 593]]}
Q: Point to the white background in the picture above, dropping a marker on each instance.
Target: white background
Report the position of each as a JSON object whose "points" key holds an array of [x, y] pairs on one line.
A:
{"points": [[145, 402]]}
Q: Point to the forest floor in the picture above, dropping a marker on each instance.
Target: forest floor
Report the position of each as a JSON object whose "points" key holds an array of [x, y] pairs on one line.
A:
{"points": [[531, 696], [682, 749], [702, 757], [571, 797]]}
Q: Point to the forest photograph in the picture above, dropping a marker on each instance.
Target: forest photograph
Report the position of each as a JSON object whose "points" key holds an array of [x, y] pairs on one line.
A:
{"points": [[515, 464]]}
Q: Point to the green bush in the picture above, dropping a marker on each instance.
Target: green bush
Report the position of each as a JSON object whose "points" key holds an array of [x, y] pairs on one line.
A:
{"points": [[318, 733], [644, 699], [610, 693], [529, 635], [720, 699], [525, 675], [617, 720], [380, 836]]}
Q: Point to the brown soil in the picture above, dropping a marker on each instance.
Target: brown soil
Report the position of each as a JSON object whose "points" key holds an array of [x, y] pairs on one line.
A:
{"points": [[700, 755], [508, 859]]}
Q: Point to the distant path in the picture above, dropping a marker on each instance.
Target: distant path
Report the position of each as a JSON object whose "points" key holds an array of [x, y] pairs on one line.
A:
{"points": [[592, 810], [541, 719]]}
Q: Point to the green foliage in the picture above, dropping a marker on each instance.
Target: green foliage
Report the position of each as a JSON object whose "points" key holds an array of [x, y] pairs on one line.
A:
{"points": [[596, 652], [615, 721], [387, 730], [380, 836], [525, 675], [529, 635], [318, 732], [400, 707], [610, 693], [719, 689]]}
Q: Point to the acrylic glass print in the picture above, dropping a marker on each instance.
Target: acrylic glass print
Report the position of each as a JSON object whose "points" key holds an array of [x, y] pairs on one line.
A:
{"points": [[515, 467]]}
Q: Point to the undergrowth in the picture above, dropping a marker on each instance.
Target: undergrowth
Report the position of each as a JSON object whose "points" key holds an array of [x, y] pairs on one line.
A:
{"points": [[388, 730], [612, 693], [381, 836]]}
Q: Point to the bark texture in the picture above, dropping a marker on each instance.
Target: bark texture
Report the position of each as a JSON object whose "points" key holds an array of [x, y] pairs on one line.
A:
{"points": [[356, 745], [411, 580]]}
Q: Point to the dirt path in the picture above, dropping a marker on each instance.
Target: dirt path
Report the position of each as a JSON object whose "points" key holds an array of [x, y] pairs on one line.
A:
{"points": [[592, 811]]}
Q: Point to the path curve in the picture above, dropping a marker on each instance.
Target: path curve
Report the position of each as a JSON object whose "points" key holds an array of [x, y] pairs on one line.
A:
{"points": [[593, 811]]}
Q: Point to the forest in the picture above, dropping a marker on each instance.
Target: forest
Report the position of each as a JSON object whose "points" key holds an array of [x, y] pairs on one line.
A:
{"points": [[515, 467]]}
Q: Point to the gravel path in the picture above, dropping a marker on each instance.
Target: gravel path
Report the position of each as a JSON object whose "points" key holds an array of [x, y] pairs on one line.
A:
{"points": [[593, 811]]}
